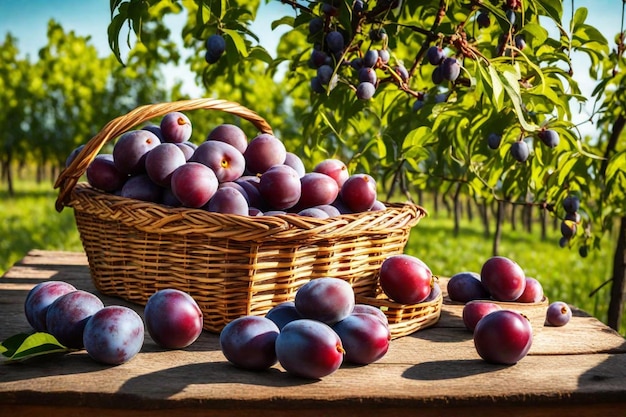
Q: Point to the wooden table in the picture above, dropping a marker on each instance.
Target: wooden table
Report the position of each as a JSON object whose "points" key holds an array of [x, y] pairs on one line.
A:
{"points": [[576, 370]]}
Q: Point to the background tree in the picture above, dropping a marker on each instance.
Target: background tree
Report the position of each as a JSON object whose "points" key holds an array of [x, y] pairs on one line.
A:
{"points": [[14, 86], [59, 100]]}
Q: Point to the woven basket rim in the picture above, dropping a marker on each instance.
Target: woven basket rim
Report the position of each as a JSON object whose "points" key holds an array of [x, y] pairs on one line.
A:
{"points": [[154, 217], [69, 177]]}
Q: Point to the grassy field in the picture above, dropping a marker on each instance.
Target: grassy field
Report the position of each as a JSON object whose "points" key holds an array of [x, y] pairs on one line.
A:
{"points": [[30, 221]]}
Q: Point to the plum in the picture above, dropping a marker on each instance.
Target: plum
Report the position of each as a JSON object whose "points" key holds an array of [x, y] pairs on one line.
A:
{"points": [[558, 314], [504, 278], [263, 152], [317, 189], [162, 161], [249, 342], [358, 192], [503, 337], [365, 90], [435, 55], [226, 161], [103, 174], [114, 335], [309, 349], [325, 299], [194, 184], [39, 299], [67, 316], [334, 168], [360, 308], [175, 127], [533, 292], [466, 286], [131, 149], [283, 313], [173, 318], [405, 279], [228, 200], [231, 134], [520, 151], [280, 187], [296, 163], [364, 337], [141, 187], [475, 310]]}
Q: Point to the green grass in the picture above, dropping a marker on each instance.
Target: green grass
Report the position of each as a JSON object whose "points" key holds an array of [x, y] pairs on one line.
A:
{"points": [[30, 221]]}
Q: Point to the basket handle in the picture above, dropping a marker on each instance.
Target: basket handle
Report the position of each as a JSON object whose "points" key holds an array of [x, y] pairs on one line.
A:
{"points": [[69, 176]]}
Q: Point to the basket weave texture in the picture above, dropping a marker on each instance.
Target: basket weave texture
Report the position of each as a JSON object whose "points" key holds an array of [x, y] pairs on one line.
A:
{"points": [[231, 265], [405, 319]]}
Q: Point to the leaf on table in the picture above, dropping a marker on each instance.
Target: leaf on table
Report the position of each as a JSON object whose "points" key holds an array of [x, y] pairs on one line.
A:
{"points": [[24, 346]]}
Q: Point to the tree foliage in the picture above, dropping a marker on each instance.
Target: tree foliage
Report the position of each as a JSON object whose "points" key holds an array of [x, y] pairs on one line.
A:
{"points": [[61, 98], [516, 81]]}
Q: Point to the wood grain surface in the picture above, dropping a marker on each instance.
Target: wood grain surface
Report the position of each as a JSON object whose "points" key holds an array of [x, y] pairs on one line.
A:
{"points": [[578, 369]]}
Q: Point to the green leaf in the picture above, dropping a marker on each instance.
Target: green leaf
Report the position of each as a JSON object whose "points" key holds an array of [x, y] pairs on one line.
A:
{"points": [[216, 8], [24, 346], [114, 4], [285, 20], [200, 19], [114, 35], [537, 32], [616, 164], [579, 17], [260, 54], [554, 9], [587, 33], [498, 88], [511, 85], [238, 41]]}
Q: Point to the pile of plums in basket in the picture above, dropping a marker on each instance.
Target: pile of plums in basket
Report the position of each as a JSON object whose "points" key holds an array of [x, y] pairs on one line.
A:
{"points": [[226, 173]]}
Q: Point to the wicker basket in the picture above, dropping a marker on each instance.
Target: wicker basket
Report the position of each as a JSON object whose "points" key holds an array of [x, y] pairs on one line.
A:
{"points": [[231, 265], [405, 319]]}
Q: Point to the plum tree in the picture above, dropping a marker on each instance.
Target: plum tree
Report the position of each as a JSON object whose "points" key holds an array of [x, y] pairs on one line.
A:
{"points": [[515, 77]]}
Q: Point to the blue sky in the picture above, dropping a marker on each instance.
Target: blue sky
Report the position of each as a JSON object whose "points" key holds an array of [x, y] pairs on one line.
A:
{"points": [[27, 20]]}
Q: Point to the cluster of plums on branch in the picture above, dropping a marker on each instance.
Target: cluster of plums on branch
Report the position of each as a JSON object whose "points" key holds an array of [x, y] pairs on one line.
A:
{"points": [[312, 336], [227, 173], [215, 45], [357, 55], [111, 334], [571, 220], [520, 149], [501, 335]]}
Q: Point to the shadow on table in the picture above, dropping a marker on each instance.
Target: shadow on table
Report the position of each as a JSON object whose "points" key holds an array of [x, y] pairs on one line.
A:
{"points": [[47, 366], [206, 373], [449, 369], [608, 377], [453, 333]]}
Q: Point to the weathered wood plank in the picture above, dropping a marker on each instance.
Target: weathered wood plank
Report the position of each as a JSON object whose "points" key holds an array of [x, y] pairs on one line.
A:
{"points": [[579, 368]]}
